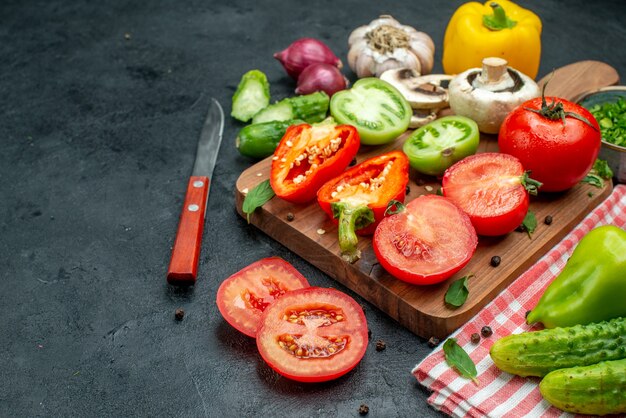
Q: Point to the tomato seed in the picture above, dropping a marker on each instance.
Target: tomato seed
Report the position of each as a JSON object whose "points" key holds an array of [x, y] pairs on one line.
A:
{"points": [[293, 347]]}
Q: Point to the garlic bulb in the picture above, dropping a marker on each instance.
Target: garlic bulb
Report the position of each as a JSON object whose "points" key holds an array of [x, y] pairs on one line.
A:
{"points": [[386, 44]]}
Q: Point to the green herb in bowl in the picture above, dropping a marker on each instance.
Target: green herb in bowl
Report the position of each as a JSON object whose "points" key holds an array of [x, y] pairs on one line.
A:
{"points": [[612, 120]]}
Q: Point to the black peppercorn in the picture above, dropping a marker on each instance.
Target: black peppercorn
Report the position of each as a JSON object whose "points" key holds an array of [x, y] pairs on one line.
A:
{"points": [[179, 314], [363, 409], [475, 338], [380, 345], [495, 261], [548, 220], [433, 342], [290, 217], [486, 331]]}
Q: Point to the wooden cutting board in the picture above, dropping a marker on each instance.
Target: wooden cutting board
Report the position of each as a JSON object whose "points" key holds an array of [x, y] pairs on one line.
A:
{"points": [[421, 309]]}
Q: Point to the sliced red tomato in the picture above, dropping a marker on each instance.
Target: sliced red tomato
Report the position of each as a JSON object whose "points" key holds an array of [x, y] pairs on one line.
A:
{"points": [[492, 189], [244, 296], [426, 242], [313, 334]]}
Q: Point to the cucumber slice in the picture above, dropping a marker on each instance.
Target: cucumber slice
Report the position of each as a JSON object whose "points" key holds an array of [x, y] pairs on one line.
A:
{"points": [[279, 111], [252, 95]]}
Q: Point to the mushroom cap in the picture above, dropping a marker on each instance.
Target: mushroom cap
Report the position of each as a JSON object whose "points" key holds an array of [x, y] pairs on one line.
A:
{"points": [[488, 106], [421, 91]]}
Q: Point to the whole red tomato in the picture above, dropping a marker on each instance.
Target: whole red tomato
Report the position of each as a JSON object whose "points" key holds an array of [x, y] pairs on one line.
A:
{"points": [[557, 140]]}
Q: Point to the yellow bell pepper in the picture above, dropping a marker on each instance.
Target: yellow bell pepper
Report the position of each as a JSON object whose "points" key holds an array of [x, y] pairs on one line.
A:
{"points": [[501, 29]]}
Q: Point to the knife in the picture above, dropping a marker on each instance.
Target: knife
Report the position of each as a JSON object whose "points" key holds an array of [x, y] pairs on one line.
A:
{"points": [[183, 266]]}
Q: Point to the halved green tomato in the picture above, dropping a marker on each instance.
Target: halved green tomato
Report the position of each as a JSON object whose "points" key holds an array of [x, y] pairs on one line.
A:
{"points": [[435, 147], [375, 108]]}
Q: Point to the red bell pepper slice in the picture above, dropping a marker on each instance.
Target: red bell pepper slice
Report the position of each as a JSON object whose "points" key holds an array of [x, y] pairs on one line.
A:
{"points": [[357, 199], [308, 156]]}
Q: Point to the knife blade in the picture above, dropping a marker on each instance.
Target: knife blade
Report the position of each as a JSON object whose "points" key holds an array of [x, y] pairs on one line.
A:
{"points": [[183, 266]]}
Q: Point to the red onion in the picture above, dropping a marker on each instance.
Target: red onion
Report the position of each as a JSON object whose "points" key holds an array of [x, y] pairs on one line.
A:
{"points": [[323, 77], [304, 52]]}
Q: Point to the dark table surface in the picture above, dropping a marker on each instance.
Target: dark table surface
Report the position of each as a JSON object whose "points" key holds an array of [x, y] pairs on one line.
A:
{"points": [[101, 104]]}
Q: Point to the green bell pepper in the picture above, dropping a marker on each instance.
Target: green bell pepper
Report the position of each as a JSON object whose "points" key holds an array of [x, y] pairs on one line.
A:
{"points": [[591, 287]]}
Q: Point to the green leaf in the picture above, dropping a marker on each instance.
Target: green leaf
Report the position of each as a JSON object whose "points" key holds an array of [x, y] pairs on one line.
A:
{"points": [[598, 173], [529, 223], [458, 292], [257, 197], [602, 168], [594, 180], [457, 357], [611, 117], [399, 207]]}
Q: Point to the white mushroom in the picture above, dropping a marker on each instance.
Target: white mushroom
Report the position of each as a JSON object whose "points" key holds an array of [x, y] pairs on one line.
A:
{"points": [[421, 91], [421, 117], [487, 95]]}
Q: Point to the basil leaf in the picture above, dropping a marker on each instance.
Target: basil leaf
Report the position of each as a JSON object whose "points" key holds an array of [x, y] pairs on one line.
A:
{"points": [[529, 223], [257, 197], [594, 180], [598, 172], [457, 357], [602, 168], [458, 292]]}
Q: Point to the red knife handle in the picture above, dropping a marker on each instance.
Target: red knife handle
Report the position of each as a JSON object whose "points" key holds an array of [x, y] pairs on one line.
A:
{"points": [[186, 252]]}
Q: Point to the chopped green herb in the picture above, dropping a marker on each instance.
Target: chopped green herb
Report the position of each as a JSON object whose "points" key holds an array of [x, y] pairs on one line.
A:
{"points": [[529, 223], [612, 120], [257, 197], [457, 292], [457, 357], [598, 173]]}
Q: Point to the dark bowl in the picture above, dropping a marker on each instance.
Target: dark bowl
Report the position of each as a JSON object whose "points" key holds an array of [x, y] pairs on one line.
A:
{"points": [[614, 155]]}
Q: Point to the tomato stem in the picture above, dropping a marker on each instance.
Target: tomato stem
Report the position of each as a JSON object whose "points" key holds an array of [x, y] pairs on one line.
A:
{"points": [[351, 218], [531, 185], [555, 110]]}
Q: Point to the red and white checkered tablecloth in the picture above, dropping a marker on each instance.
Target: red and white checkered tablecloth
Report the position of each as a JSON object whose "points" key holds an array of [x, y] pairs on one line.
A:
{"points": [[500, 394]]}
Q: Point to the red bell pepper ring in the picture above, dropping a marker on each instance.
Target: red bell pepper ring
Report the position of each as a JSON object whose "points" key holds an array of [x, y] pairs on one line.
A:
{"points": [[308, 156], [357, 199]]}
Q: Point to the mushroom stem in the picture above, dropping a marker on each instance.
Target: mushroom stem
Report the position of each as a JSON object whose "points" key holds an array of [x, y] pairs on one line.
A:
{"points": [[494, 69]]}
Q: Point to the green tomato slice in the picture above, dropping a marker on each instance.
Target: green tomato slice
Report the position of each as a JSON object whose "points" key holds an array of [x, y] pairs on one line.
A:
{"points": [[375, 108], [435, 147]]}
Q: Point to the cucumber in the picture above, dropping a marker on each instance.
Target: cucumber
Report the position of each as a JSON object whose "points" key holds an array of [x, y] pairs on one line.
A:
{"points": [[598, 389], [252, 95], [310, 108], [259, 140], [538, 353]]}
